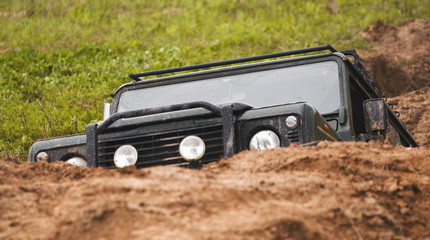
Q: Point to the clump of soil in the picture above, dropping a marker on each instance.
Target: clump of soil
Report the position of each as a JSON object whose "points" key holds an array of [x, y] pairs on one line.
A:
{"points": [[399, 61], [341, 190]]}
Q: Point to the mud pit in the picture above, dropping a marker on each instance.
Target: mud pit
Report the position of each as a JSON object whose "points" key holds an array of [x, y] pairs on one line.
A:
{"points": [[330, 191]]}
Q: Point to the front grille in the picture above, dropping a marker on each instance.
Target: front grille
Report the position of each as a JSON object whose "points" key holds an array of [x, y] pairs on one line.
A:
{"points": [[163, 148], [293, 136]]}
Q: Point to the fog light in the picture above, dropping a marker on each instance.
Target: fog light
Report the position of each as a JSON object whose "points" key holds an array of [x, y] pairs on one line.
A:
{"points": [[292, 122], [264, 140], [192, 148], [42, 157], [78, 161], [125, 155]]}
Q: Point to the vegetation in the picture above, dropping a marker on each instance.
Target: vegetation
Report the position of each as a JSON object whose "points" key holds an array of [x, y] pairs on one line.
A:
{"points": [[60, 59]]}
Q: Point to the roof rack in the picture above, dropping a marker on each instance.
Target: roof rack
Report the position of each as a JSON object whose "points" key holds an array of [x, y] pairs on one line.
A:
{"points": [[137, 76]]}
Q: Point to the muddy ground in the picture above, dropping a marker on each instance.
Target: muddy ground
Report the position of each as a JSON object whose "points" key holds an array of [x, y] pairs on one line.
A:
{"points": [[330, 191]]}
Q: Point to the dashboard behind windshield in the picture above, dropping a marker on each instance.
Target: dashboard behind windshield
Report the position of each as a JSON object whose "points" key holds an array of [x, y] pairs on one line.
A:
{"points": [[315, 83]]}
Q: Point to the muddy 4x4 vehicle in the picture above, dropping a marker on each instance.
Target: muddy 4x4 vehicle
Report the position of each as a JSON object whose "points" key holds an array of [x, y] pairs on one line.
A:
{"points": [[199, 117]]}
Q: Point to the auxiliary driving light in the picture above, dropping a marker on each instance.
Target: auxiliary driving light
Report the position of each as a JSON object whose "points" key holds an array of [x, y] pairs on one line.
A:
{"points": [[192, 148], [125, 155], [78, 161], [42, 157], [265, 139], [292, 122]]}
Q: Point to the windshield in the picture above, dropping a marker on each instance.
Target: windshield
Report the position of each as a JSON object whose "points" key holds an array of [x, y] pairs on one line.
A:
{"points": [[316, 84]]}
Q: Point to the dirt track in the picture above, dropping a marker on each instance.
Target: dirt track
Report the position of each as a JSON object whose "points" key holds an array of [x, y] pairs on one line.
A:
{"points": [[331, 191]]}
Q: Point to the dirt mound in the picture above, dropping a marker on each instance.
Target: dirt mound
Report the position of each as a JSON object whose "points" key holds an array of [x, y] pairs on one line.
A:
{"points": [[399, 61], [415, 113], [331, 191]]}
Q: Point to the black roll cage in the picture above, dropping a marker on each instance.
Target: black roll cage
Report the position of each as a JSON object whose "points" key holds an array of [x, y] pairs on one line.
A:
{"points": [[137, 76]]}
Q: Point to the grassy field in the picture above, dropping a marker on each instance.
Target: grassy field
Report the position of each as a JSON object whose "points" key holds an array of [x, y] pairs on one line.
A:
{"points": [[60, 59]]}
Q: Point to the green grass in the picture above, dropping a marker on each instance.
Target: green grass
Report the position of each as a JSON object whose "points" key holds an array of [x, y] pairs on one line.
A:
{"points": [[60, 59]]}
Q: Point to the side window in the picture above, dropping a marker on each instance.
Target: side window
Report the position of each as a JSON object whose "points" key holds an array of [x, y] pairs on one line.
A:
{"points": [[358, 96]]}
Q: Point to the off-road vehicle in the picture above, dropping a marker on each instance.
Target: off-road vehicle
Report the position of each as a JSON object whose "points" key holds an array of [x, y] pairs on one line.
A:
{"points": [[201, 116]]}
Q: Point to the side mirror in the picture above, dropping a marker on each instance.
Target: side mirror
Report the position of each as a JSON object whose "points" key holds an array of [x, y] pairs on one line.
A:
{"points": [[375, 116]]}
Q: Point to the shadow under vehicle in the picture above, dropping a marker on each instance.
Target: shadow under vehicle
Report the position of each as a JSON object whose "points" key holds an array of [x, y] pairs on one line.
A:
{"points": [[199, 117]]}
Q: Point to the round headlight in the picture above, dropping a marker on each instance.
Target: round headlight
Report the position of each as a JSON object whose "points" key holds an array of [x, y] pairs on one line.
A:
{"points": [[42, 157], [264, 140], [125, 155], [192, 148], [78, 161], [292, 122]]}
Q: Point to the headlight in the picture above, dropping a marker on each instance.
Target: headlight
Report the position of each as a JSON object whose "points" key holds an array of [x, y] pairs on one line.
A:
{"points": [[125, 155], [292, 122], [42, 157], [78, 161], [264, 140], [192, 148]]}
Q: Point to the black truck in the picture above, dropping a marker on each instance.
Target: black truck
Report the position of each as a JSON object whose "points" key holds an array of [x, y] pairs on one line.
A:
{"points": [[251, 103]]}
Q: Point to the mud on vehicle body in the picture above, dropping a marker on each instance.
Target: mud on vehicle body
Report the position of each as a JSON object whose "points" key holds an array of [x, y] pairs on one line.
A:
{"points": [[199, 117]]}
